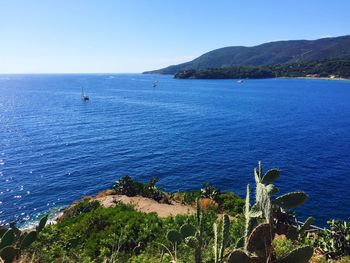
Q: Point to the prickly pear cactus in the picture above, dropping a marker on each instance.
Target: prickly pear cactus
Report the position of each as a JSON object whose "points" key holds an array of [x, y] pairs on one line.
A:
{"points": [[42, 223], [13, 240], [8, 254], [187, 230], [309, 221], [174, 237], [224, 235], [291, 200], [216, 243], [7, 239], [260, 240], [300, 255], [28, 239], [289, 231], [270, 176], [238, 256]]}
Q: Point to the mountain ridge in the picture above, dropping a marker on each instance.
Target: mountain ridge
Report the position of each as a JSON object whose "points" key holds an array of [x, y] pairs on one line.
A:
{"points": [[270, 53]]}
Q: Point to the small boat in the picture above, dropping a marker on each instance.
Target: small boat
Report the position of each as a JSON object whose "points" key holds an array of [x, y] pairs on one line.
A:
{"points": [[155, 83], [84, 97], [241, 81]]}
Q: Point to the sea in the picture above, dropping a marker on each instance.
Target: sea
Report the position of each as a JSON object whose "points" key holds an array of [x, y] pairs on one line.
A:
{"points": [[55, 148]]}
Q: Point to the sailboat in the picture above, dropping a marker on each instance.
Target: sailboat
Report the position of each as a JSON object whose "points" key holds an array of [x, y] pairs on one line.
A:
{"points": [[155, 83], [84, 97]]}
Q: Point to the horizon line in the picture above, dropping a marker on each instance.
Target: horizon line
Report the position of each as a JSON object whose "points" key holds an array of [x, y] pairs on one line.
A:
{"points": [[66, 73]]}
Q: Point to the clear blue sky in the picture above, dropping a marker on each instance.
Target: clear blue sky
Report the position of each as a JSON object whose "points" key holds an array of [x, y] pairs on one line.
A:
{"points": [[41, 36]]}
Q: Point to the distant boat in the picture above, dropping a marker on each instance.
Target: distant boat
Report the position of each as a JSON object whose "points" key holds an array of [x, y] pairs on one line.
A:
{"points": [[241, 81], [155, 83], [84, 97]]}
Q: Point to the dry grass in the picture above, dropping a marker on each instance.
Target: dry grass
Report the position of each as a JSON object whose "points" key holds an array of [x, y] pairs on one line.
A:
{"points": [[207, 204]]}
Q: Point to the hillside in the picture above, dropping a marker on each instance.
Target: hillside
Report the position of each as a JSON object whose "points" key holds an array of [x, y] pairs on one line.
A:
{"points": [[137, 222], [319, 69], [272, 53]]}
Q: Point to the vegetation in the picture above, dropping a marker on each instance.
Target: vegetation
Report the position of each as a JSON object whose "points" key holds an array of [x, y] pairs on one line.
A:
{"points": [[326, 68], [127, 186], [265, 219], [263, 231], [334, 242], [273, 53], [13, 241]]}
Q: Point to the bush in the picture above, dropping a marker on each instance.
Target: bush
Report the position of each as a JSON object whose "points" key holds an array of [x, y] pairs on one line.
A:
{"points": [[190, 197], [81, 207], [283, 246], [335, 241], [99, 233], [127, 186], [209, 191], [230, 203], [119, 233]]}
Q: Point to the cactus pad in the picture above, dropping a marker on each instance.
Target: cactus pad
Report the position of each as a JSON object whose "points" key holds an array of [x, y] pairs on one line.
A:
{"points": [[272, 190], [255, 212], [240, 242], [288, 230], [42, 223], [187, 230], [300, 255], [306, 225], [7, 239], [8, 254], [291, 200], [28, 239], [260, 239], [174, 236], [238, 256], [270, 176], [2, 231]]}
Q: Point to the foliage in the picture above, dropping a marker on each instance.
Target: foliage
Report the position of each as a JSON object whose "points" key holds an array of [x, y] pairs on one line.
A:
{"points": [[221, 239], [273, 53], [324, 68], [99, 233], [264, 220], [118, 234], [92, 233], [335, 241], [209, 191], [190, 197], [14, 241], [80, 207], [127, 186], [283, 246], [230, 203]]}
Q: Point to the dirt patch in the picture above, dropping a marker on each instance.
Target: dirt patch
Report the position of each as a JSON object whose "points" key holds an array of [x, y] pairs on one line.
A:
{"points": [[147, 205]]}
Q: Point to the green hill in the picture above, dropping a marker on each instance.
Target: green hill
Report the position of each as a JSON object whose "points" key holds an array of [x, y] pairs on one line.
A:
{"points": [[272, 53], [323, 69]]}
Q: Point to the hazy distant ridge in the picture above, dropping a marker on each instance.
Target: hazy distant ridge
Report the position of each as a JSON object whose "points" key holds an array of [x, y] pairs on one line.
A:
{"points": [[272, 53]]}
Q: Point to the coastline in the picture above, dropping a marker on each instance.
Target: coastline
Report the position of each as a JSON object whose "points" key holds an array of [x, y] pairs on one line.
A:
{"points": [[315, 78]]}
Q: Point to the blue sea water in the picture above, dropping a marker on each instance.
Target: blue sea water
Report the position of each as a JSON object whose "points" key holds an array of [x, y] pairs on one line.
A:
{"points": [[54, 148]]}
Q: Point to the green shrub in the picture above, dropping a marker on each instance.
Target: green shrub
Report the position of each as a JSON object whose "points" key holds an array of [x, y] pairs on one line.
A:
{"points": [[283, 247], [81, 207], [230, 203], [127, 186], [209, 191], [190, 197], [117, 232], [334, 242]]}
